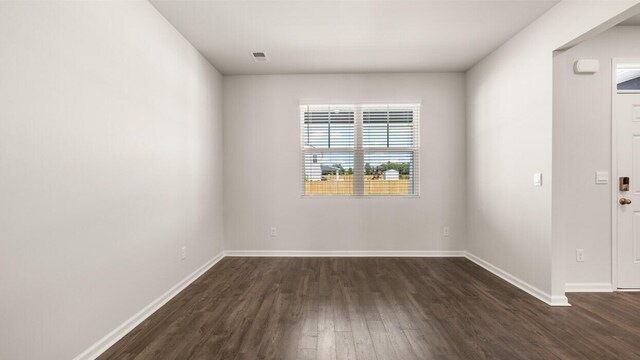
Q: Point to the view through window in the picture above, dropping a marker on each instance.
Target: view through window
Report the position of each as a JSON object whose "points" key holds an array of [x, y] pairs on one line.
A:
{"points": [[628, 78], [360, 149]]}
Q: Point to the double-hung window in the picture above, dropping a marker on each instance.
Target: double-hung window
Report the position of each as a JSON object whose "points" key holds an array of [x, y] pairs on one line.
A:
{"points": [[361, 150]]}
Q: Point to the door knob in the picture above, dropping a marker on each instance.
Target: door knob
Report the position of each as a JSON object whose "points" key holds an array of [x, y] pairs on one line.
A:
{"points": [[625, 201]]}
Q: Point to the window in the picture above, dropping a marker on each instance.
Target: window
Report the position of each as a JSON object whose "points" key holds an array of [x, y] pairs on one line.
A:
{"points": [[360, 150], [628, 78]]}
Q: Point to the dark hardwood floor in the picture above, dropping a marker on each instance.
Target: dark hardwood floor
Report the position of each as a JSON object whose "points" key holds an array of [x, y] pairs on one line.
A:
{"points": [[377, 308]]}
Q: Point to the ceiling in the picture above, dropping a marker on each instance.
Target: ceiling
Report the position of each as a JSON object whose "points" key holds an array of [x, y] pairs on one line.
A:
{"points": [[324, 36]]}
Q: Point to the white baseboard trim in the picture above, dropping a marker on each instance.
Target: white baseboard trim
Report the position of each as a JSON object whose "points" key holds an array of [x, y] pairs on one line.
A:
{"points": [[522, 285], [347, 253], [559, 300], [588, 287], [118, 333]]}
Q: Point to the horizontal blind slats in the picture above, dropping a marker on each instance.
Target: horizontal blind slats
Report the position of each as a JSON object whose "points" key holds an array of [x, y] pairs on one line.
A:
{"points": [[328, 126], [389, 126]]}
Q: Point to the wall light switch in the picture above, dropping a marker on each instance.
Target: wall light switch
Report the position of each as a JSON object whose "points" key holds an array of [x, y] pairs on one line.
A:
{"points": [[446, 231], [580, 255], [537, 179], [602, 177], [273, 231]]}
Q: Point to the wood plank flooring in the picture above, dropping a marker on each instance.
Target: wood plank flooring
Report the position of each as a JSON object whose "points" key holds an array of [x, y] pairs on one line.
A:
{"points": [[377, 308]]}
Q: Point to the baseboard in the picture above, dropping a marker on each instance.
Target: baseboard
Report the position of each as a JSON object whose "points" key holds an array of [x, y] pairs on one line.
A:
{"points": [[588, 287], [522, 285], [348, 253], [106, 342]]}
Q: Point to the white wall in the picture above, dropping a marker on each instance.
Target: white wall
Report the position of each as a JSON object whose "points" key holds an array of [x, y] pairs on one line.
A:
{"points": [[582, 146], [110, 160], [509, 138], [262, 166]]}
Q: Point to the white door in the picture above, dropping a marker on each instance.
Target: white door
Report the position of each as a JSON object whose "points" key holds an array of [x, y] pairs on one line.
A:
{"points": [[626, 117]]}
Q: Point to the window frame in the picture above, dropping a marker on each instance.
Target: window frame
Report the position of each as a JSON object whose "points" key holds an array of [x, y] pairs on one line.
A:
{"points": [[358, 150]]}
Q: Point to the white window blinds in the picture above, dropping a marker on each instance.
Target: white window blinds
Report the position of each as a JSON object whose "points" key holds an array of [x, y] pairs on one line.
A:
{"points": [[329, 127], [360, 149]]}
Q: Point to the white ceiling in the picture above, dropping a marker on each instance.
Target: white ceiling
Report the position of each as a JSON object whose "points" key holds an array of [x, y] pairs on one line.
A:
{"points": [[324, 36]]}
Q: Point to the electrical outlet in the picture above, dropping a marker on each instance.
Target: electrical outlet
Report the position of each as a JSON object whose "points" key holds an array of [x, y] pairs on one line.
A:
{"points": [[273, 231], [446, 231], [184, 252], [537, 179], [579, 255]]}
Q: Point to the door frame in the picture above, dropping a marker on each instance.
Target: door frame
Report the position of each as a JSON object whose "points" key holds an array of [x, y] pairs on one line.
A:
{"points": [[614, 173]]}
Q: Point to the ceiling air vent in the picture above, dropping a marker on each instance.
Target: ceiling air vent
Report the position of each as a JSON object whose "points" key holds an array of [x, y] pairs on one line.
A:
{"points": [[259, 56]]}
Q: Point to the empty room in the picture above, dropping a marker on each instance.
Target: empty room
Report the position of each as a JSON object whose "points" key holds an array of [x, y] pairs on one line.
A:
{"points": [[319, 179]]}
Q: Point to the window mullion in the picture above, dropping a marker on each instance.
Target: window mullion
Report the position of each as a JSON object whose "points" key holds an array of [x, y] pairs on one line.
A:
{"points": [[358, 154]]}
